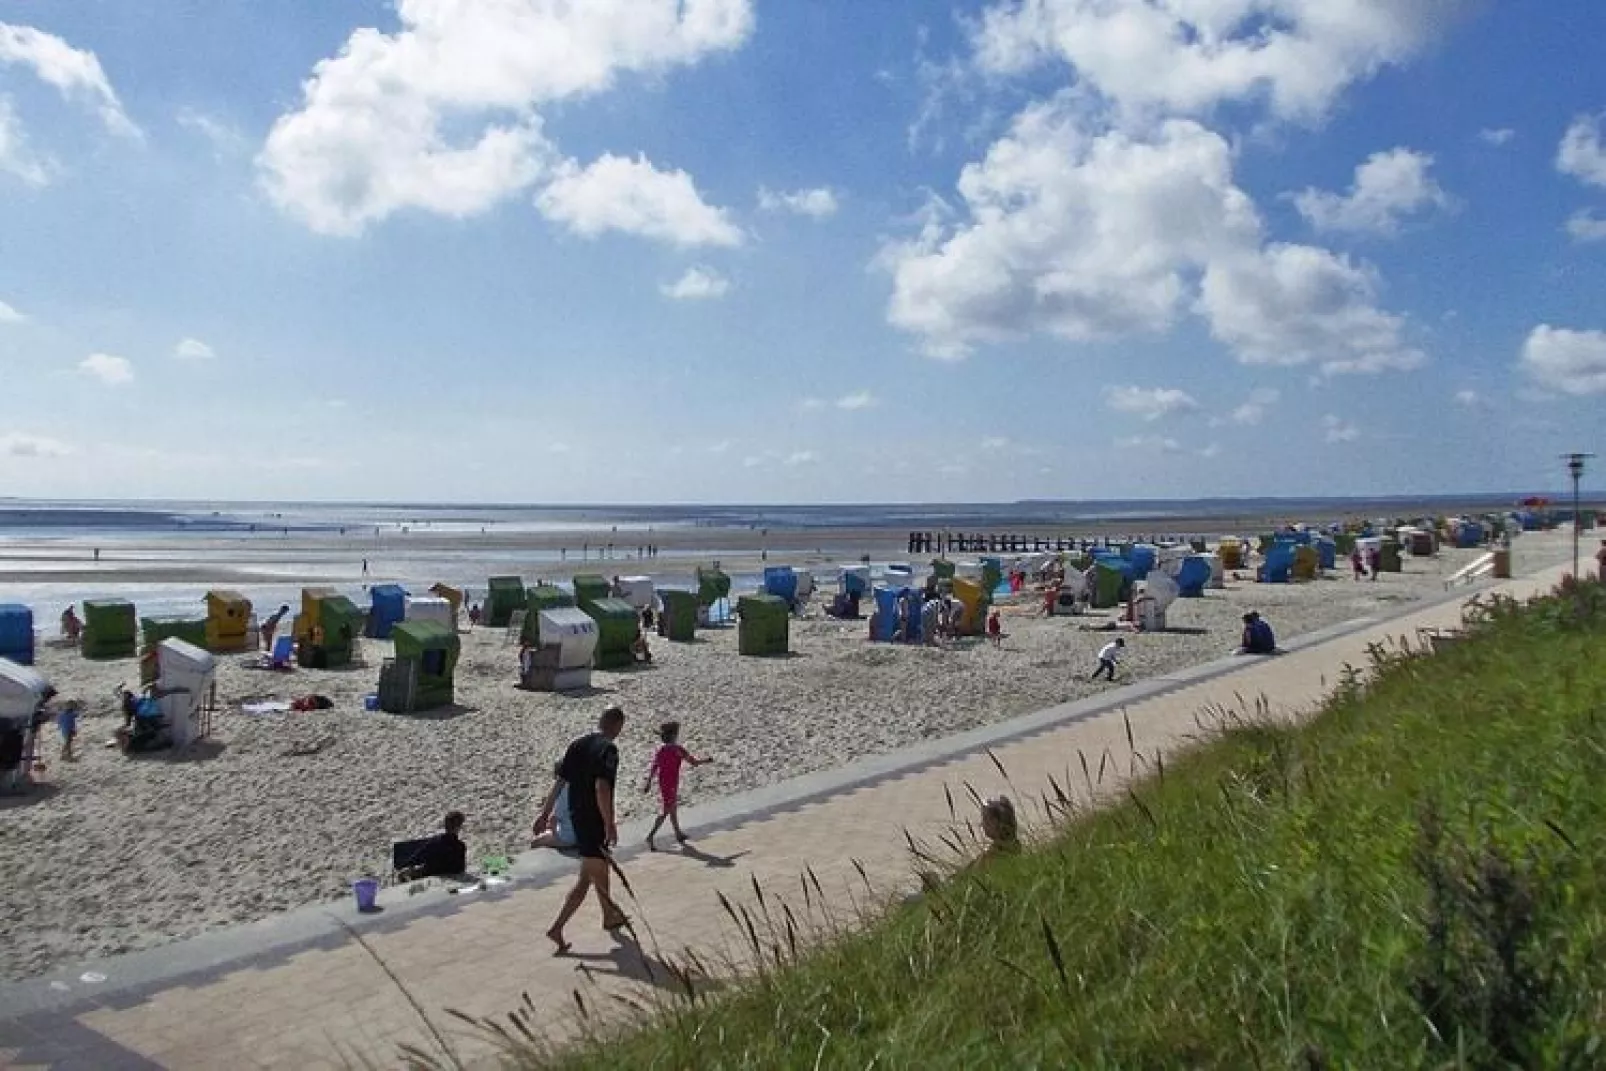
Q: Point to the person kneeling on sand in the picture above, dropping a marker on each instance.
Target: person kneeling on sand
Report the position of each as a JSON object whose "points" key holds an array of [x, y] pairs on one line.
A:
{"points": [[443, 855]]}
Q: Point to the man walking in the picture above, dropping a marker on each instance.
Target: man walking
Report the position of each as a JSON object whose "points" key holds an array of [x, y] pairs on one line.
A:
{"points": [[589, 769], [1109, 655]]}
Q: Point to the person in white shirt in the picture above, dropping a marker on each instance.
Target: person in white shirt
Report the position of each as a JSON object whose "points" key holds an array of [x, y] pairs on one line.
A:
{"points": [[931, 622], [1109, 655], [559, 830]]}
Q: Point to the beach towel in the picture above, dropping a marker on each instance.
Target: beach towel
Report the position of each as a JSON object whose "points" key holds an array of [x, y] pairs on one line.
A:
{"points": [[266, 706]]}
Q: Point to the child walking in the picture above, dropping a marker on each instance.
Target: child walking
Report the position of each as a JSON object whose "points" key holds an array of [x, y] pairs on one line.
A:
{"points": [[666, 764], [67, 724]]}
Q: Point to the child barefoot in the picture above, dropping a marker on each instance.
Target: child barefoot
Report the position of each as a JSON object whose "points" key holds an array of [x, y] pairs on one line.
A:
{"points": [[666, 765]]}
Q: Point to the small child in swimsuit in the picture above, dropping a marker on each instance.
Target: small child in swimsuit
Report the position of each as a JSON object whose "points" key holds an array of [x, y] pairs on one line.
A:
{"points": [[666, 764]]}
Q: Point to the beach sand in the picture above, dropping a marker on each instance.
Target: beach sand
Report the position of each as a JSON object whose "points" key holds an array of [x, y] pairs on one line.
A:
{"points": [[116, 853]]}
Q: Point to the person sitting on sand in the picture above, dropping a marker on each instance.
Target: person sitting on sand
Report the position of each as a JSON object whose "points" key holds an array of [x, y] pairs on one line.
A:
{"points": [[71, 627], [443, 855], [1258, 637], [558, 831], [639, 649]]}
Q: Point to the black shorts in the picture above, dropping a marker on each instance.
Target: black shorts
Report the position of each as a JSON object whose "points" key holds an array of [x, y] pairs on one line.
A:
{"points": [[590, 840]]}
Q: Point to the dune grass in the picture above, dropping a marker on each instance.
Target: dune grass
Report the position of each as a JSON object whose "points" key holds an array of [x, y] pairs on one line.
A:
{"points": [[1415, 878]]}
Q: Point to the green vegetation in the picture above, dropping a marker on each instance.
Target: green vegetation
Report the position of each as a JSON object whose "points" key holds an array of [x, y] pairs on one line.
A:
{"points": [[1414, 879]]}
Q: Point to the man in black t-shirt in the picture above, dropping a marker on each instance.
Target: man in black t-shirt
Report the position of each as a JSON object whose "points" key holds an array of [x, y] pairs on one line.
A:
{"points": [[589, 768]]}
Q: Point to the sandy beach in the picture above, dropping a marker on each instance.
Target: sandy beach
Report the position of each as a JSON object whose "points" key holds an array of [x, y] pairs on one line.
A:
{"points": [[117, 853]]}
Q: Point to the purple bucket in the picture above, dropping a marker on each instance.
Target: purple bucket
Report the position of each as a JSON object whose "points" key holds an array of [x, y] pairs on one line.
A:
{"points": [[367, 890]]}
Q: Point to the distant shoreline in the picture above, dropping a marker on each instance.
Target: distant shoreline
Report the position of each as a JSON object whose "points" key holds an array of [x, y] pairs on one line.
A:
{"points": [[555, 525]]}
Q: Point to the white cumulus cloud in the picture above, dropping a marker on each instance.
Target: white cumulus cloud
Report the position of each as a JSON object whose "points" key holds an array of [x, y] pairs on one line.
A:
{"points": [[616, 193], [17, 157], [1159, 444], [225, 138], [1082, 235], [1571, 362], [193, 349], [1339, 431], [1585, 225], [1253, 410], [110, 370], [815, 203], [697, 284], [1150, 403], [443, 114], [859, 399], [1296, 304], [851, 402], [75, 73], [9, 315], [1188, 56], [1581, 154], [1388, 187], [1068, 234], [21, 444]]}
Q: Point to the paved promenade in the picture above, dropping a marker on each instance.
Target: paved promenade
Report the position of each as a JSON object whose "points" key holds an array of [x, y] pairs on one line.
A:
{"points": [[298, 992]]}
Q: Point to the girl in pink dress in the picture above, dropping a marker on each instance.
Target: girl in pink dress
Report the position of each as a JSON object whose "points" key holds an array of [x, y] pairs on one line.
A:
{"points": [[666, 764]]}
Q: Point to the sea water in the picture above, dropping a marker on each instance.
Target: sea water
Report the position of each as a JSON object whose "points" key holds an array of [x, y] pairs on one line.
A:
{"points": [[61, 537]]}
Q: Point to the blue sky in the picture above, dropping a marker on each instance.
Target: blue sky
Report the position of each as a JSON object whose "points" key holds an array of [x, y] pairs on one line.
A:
{"points": [[738, 250]]}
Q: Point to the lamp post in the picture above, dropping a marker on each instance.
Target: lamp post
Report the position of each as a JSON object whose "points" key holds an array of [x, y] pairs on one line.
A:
{"points": [[1575, 468]]}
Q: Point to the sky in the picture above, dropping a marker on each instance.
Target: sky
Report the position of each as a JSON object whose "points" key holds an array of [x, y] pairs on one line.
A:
{"points": [[756, 251]]}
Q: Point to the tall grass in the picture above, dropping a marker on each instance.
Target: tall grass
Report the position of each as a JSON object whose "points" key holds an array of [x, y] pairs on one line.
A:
{"points": [[1415, 878]]}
